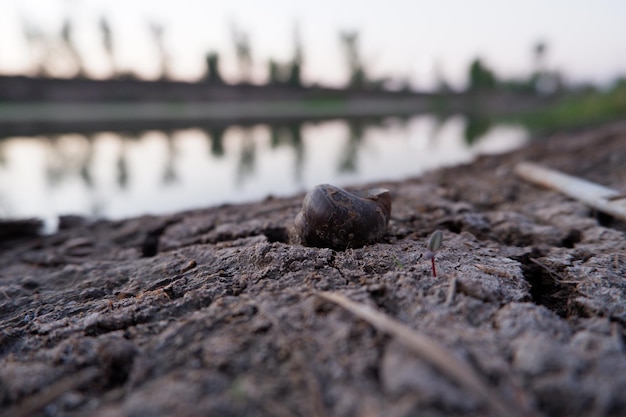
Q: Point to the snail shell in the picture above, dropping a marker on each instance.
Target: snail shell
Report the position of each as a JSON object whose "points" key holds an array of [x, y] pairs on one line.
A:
{"points": [[335, 218]]}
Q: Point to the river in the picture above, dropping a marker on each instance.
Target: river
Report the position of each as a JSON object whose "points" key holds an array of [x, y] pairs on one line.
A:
{"points": [[121, 174]]}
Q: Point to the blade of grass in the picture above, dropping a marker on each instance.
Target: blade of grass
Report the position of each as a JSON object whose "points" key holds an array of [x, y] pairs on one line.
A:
{"points": [[431, 351]]}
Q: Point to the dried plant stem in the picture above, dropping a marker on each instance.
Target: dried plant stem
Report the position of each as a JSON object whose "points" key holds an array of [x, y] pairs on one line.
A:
{"points": [[601, 198], [431, 351], [432, 262], [451, 291], [39, 400]]}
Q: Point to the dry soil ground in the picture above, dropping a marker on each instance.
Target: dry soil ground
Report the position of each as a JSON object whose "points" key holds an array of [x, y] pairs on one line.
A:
{"points": [[214, 312]]}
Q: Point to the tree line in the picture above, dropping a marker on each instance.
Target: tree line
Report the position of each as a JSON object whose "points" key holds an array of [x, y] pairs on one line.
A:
{"points": [[47, 49]]}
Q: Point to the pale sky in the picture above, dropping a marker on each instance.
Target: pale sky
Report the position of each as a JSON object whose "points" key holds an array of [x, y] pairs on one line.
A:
{"points": [[586, 39]]}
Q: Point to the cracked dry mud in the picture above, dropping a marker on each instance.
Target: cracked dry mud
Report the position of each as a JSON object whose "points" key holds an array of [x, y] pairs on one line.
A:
{"points": [[213, 312]]}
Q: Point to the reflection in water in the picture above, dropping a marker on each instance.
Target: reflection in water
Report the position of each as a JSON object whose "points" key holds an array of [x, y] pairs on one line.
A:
{"points": [[121, 174], [86, 162], [247, 157], [290, 135], [169, 173], [122, 164], [476, 126], [216, 136], [349, 155]]}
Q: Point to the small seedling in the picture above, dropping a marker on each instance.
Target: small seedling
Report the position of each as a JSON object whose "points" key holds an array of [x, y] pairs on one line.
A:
{"points": [[399, 264], [434, 243]]}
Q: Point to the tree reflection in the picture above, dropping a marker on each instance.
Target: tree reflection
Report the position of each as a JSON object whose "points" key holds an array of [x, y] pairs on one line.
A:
{"points": [[52, 165], [122, 164], [3, 156], [169, 173], [87, 162], [57, 164], [247, 158], [348, 159], [439, 122], [290, 135], [476, 126], [356, 133], [100, 168], [68, 156], [216, 135], [298, 146], [74, 155]]}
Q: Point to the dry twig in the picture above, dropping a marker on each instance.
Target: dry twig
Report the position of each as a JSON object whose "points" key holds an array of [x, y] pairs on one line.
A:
{"points": [[70, 382], [431, 351], [604, 199], [451, 291]]}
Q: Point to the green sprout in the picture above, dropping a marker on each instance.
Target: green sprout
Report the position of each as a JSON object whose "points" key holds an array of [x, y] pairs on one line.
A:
{"points": [[399, 264], [434, 243]]}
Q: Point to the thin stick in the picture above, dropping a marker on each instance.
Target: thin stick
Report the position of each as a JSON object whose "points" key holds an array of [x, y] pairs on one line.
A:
{"points": [[39, 400], [604, 199], [431, 351], [432, 262], [451, 291]]}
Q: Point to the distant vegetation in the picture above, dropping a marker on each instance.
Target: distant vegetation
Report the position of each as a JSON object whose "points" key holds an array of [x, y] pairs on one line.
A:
{"points": [[576, 106], [540, 81], [53, 54], [581, 109], [572, 106]]}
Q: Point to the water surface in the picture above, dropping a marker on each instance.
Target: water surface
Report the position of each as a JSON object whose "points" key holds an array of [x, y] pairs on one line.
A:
{"points": [[117, 175]]}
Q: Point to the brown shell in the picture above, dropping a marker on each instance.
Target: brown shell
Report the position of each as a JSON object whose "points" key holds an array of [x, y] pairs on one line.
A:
{"points": [[334, 218]]}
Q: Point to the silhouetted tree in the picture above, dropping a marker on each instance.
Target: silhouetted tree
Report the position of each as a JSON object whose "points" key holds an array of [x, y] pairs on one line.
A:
{"points": [[35, 41], [542, 80], [540, 53], [350, 42], [70, 46], [243, 52], [213, 71], [440, 79], [107, 42], [275, 76], [289, 73], [294, 78], [481, 77], [157, 31]]}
